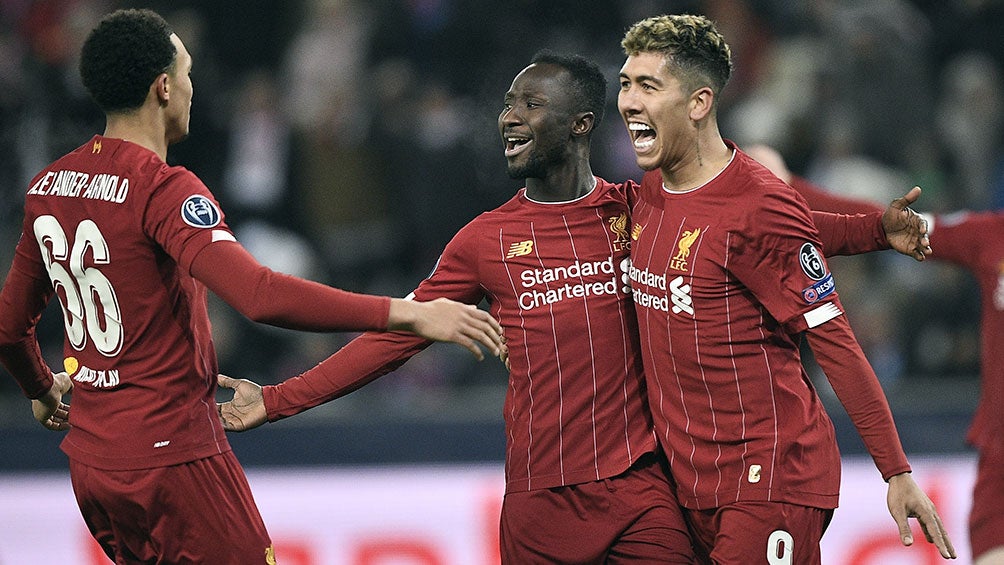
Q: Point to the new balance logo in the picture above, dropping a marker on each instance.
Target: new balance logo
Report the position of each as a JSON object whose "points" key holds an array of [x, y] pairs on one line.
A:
{"points": [[520, 248], [680, 295]]}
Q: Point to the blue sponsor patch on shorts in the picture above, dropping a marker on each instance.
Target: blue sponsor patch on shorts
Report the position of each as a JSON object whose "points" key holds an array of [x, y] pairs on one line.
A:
{"points": [[819, 290]]}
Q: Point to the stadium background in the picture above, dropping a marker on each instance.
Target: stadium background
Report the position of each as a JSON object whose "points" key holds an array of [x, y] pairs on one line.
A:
{"points": [[347, 140]]}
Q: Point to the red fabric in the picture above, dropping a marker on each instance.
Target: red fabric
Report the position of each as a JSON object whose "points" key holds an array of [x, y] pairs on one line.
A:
{"points": [[266, 296], [117, 231], [846, 227], [555, 277], [791, 533], [630, 518], [107, 223], [840, 357], [985, 519], [197, 512], [725, 278], [975, 241], [821, 199], [842, 234], [22, 300]]}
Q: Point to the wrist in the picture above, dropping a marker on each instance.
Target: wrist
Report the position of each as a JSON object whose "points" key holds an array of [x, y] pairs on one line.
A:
{"points": [[905, 475], [402, 315]]}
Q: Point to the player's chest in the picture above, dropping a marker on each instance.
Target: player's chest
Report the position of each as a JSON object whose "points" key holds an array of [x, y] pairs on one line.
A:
{"points": [[675, 242], [562, 260]]}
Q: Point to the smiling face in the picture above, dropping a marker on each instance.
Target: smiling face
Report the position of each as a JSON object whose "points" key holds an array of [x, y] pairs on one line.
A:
{"points": [[536, 120], [657, 111]]}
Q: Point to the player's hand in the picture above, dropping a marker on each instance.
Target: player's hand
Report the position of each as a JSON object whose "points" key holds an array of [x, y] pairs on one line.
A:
{"points": [[905, 229], [504, 356], [907, 500], [246, 410], [49, 409], [446, 320]]}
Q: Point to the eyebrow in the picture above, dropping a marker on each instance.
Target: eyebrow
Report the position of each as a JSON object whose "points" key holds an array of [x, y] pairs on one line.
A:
{"points": [[642, 78]]}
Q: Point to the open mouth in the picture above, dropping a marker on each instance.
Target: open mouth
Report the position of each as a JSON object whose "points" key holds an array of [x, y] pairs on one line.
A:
{"points": [[514, 144], [642, 135]]}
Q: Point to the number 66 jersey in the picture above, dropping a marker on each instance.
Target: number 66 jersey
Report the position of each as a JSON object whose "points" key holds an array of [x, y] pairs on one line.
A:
{"points": [[111, 230]]}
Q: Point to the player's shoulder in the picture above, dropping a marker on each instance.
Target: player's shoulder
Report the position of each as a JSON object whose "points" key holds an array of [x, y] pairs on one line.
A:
{"points": [[762, 189], [624, 191]]}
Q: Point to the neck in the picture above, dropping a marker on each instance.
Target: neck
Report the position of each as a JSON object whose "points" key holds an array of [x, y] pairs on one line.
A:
{"points": [[139, 127], [562, 185], [705, 158]]}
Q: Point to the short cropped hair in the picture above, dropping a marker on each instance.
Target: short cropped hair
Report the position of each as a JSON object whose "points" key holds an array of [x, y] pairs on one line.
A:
{"points": [[690, 43], [589, 86], [123, 55]]}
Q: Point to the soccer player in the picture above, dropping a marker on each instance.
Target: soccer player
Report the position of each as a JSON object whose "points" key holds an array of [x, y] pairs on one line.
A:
{"points": [[727, 275], [974, 241], [129, 245], [552, 263]]}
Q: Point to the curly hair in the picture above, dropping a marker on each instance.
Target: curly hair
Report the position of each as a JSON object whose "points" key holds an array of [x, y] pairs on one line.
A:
{"points": [[123, 55], [589, 86], [690, 43]]}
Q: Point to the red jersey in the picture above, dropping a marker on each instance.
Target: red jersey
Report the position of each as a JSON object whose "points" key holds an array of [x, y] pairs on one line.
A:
{"points": [[726, 277], [554, 274], [976, 241], [819, 198], [115, 230]]}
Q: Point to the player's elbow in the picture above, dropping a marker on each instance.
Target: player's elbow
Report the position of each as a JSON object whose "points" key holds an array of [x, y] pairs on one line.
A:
{"points": [[263, 312]]}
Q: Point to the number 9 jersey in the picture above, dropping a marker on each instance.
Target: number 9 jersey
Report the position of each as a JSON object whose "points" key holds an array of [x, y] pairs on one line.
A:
{"points": [[112, 230]]}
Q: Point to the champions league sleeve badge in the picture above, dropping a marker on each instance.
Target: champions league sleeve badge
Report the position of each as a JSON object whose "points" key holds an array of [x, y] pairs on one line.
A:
{"points": [[200, 212], [815, 268]]}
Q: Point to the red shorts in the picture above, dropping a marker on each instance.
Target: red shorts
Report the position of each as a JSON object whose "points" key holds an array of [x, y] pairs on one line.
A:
{"points": [[772, 533], [986, 522], [633, 517], [196, 512]]}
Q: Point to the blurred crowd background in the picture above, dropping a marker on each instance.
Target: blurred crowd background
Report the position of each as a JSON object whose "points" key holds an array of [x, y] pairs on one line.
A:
{"points": [[347, 141]]}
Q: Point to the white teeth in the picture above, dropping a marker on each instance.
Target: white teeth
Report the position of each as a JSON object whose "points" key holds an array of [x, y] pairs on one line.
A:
{"points": [[644, 144], [636, 126]]}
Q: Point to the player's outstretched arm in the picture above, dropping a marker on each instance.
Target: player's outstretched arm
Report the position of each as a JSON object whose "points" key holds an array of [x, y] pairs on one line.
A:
{"points": [[266, 296], [905, 229], [906, 500], [246, 410], [447, 320], [49, 409]]}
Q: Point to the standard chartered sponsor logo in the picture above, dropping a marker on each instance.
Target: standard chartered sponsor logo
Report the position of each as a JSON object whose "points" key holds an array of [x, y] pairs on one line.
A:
{"points": [[577, 269], [554, 284], [682, 302], [647, 278], [678, 296]]}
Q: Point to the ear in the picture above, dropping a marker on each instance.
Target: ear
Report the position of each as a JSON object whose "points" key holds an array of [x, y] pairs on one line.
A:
{"points": [[161, 89], [702, 101], [583, 124]]}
